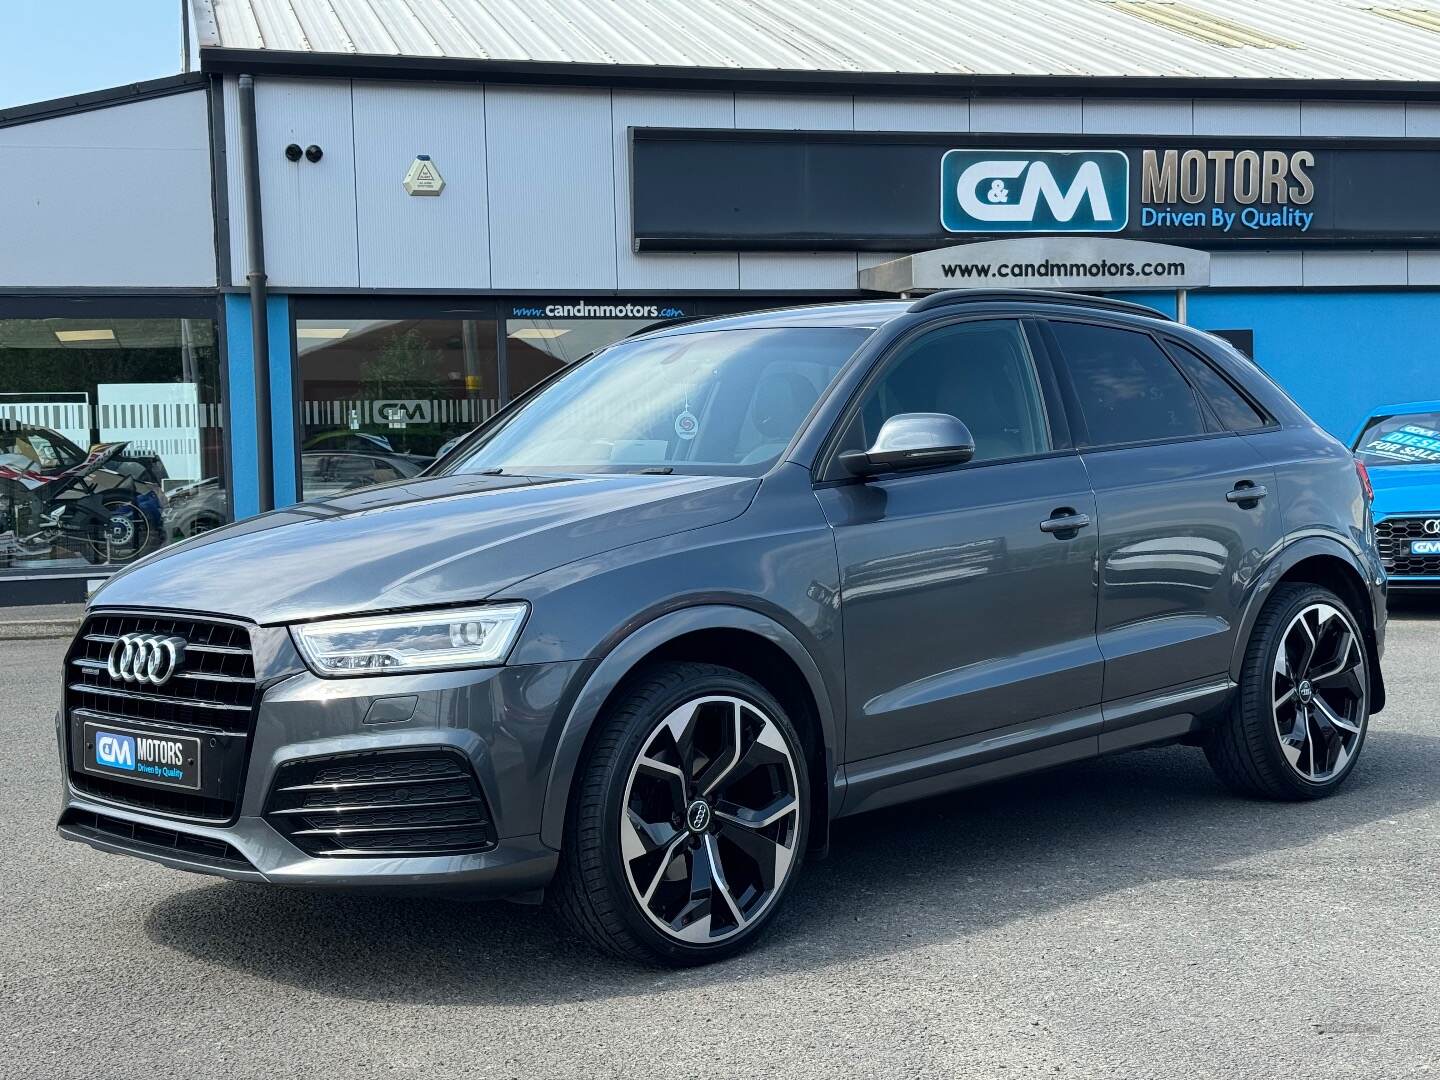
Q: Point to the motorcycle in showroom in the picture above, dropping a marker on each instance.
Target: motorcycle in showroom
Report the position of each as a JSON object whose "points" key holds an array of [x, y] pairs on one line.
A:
{"points": [[68, 509]]}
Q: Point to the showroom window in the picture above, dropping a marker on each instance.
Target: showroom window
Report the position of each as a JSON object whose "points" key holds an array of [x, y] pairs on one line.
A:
{"points": [[111, 439], [381, 398]]}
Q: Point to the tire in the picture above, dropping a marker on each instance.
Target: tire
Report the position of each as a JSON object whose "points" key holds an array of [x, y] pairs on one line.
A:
{"points": [[643, 885], [140, 539], [1297, 723]]}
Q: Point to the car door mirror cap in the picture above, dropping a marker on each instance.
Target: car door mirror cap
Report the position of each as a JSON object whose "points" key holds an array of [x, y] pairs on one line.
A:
{"points": [[913, 441]]}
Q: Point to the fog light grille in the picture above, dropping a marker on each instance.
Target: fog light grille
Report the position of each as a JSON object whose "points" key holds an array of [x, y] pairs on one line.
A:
{"points": [[405, 802]]}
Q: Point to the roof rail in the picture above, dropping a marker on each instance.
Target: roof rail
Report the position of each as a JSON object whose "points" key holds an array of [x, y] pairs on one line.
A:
{"points": [[1037, 296]]}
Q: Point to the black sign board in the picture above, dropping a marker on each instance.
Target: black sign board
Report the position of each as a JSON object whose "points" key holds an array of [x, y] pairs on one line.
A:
{"points": [[713, 189]]}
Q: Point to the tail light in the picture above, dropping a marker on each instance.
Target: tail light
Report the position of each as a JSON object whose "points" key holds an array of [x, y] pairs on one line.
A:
{"points": [[1365, 485]]}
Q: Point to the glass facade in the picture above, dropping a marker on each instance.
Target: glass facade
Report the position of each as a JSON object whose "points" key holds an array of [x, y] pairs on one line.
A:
{"points": [[111, 439], [380, 398]]}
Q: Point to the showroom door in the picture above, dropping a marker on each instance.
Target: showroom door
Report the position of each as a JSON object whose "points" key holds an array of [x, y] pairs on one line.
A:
{"points": [[967, 593]]}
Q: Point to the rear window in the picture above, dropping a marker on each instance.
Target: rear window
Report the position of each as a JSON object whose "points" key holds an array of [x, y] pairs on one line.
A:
{"points": [[1127, 389], [1411, 439]]}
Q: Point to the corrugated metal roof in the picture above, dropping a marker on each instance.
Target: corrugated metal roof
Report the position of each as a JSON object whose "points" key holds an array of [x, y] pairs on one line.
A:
{"points": [[1243, 39]]}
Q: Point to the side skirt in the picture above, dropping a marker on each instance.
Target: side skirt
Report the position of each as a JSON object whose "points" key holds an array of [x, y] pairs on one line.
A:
{"points": [[1150, 720]]}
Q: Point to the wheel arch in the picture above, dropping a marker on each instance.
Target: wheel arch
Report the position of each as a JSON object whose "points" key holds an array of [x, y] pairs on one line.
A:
{"points": [[748, 641], [1329, 564]]}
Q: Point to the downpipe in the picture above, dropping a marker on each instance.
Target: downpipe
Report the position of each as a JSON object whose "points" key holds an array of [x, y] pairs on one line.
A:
{"points": [[255, 276]]}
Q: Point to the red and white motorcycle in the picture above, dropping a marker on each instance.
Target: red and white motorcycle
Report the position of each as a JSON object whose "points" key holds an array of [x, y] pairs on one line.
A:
{"points": [[68, 509]]}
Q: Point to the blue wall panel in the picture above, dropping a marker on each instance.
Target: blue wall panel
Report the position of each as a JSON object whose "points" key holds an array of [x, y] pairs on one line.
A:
{"points": [[1338, 354], [241, 375]]}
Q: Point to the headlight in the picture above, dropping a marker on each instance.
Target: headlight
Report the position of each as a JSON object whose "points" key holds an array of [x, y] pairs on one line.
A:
{"points": [[419, 641]]}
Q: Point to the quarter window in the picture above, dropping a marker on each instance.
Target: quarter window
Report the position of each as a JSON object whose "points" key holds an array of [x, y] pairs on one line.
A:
{"points": [[979, 372], [1126, 388], [1229, 404]]}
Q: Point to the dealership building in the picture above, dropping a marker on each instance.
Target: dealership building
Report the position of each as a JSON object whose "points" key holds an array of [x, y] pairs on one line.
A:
{"points": [[358, 229]]}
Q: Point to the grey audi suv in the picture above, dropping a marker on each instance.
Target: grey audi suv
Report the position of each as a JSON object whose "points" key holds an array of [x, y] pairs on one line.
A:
{"points": [[634, 644]]}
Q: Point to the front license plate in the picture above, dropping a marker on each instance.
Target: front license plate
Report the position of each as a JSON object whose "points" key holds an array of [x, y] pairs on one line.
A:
{"points": [[145, 757], [1425, 547]]}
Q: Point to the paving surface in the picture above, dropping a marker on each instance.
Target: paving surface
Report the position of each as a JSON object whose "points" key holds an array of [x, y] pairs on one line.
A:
{"points": [[1121, 918], [40, 621]]}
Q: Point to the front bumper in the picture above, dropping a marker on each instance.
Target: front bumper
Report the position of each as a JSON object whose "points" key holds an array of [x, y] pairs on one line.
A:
{"points": [[1411, 583], [503, 721], [1405, 572]]}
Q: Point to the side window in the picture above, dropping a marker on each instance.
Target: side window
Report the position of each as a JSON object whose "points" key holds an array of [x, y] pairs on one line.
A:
{"points": [[980, 372], [1125, 386], [1234, 411]]}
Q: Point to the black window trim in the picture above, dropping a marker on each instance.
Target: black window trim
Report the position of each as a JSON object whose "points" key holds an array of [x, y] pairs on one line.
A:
{"points": [[1170, 342], [1368, 423], [1215, 429], [828, 473]]}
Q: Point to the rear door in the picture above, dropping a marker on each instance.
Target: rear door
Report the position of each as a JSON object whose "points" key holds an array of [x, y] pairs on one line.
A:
{"points": [[1187, 510]]}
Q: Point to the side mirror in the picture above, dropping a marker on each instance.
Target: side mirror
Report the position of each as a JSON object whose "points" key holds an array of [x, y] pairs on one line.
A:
{"points": [[913, 441]]}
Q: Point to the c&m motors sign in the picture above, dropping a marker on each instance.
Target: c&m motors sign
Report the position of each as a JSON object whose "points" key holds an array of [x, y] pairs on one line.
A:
{"points": [[718, 190]]}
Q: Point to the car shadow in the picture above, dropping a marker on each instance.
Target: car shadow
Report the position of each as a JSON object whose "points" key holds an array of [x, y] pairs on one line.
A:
{"points": [[1414, 605], [922, 874]]}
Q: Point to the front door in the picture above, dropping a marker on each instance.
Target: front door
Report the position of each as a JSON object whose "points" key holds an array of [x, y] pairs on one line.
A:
{"points": [[968, 600]]}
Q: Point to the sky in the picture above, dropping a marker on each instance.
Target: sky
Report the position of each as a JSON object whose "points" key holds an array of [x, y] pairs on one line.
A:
{"points": [[55, 48]]}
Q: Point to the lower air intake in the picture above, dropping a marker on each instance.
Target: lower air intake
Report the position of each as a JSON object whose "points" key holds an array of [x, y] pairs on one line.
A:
{"points": [[408, 802]]}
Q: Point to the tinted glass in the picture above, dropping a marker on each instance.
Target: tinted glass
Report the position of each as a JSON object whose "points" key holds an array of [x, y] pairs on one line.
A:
{"points": [[1127, 389], [1410, 439], [1229, 404], [722, 401], [980, 372]]}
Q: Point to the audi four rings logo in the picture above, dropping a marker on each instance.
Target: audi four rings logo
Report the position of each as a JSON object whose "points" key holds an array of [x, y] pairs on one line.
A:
{"points": [[1432, 526], [149, 659]]}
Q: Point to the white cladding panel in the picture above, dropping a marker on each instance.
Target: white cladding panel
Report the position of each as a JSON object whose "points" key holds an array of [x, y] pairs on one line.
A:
{"points": [[308, 207], [421, 241], [1353, 118], [911, 114], [1103, 116], [113, 197], [552, 188], [1026, 114], [1277, 118], [1352, 268]]}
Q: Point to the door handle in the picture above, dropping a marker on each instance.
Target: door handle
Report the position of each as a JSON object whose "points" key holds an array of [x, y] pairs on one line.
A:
{"points": [[1245, 493], [1064, 521]]}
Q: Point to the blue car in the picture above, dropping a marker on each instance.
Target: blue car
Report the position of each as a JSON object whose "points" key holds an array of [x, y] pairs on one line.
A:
{"points": [[1400, 447]]}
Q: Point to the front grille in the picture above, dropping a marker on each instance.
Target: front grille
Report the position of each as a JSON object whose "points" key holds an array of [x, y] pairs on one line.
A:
{"points": [[152, 839], [212, 695], [1392, 537], [406, 802]]}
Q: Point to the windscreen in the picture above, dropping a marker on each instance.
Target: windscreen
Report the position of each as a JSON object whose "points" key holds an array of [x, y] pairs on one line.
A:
{"points": [[719, 401], [1411, 439]]}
